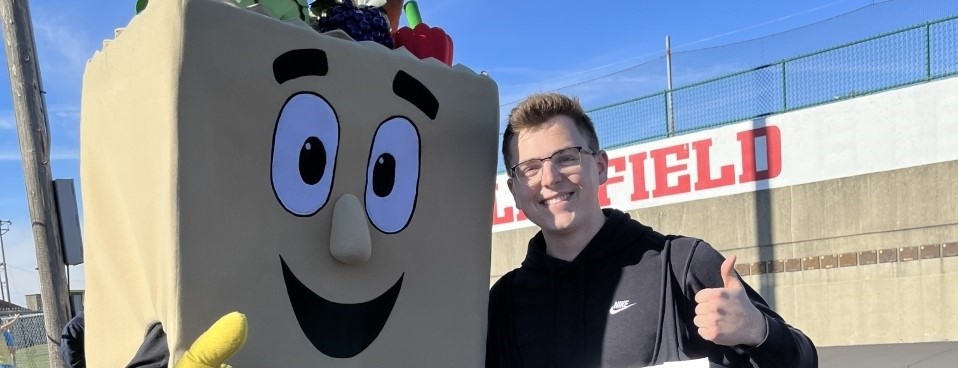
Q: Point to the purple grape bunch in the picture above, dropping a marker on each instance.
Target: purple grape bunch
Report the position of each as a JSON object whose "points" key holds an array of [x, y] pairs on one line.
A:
{"points": [[362, 23]]}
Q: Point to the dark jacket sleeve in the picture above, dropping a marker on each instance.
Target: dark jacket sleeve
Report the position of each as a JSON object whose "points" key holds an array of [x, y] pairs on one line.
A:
{"points": [[785, 346], [154, 352], [71, 342], [500, 335]]}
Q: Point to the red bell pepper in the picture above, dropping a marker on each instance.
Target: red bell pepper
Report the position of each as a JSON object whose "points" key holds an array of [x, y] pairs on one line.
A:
{"points": [[425, 42]]}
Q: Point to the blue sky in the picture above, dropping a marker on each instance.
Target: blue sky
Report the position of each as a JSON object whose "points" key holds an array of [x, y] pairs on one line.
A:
{"points": [[526, 46]]}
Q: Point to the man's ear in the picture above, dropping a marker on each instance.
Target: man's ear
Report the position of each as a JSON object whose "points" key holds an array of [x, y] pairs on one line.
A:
{"points": [[512, 189], [602, 160]]}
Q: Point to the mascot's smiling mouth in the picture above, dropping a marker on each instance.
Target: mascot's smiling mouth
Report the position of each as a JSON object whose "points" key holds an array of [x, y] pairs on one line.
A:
{"points": [[335, 329]]}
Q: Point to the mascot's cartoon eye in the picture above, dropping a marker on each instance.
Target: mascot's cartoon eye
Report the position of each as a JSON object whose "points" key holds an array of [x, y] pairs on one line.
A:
{"points": [[305, 144], [392, 175]]}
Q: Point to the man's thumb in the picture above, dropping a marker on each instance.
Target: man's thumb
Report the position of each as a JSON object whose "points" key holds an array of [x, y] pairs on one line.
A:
{"points": [[729, 276]]}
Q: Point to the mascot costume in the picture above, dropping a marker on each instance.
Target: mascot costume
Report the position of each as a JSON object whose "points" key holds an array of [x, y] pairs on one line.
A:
{"points": [[316, 190]]}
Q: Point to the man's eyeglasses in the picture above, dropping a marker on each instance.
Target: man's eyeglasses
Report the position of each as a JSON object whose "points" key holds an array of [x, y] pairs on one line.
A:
{"points": [[567, 160]]}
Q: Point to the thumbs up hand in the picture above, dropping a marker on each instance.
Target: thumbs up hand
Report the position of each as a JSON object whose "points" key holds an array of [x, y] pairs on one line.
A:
{"points": [[725, 315]]}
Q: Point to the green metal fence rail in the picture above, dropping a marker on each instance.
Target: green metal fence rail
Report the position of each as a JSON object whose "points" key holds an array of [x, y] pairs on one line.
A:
{"points": [[916, 54]]}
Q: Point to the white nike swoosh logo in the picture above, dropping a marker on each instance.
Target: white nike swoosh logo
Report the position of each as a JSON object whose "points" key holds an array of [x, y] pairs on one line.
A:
{"points": [[615, 310]]}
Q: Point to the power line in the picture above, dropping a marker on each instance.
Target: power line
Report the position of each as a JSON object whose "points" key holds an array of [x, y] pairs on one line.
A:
{"points": [[660, 54], [776, 20]]}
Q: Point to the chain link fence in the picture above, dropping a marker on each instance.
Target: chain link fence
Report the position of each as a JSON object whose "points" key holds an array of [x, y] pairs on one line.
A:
{"points": [[29, 347], [838, 58]]}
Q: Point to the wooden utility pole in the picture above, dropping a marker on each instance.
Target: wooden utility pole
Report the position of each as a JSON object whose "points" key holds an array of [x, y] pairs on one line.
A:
{"points": [[33, 130]]}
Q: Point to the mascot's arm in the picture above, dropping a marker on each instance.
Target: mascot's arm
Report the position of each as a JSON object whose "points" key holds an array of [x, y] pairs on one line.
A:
{"points": [[217, 344]]}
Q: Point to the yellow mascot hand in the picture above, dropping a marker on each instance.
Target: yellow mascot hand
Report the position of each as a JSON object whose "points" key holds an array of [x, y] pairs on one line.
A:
{"points": [[217, 344]]}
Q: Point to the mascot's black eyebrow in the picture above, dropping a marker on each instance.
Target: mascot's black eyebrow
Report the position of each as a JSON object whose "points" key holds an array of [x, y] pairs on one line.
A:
{"points": [[412, 90], [300, 63]]}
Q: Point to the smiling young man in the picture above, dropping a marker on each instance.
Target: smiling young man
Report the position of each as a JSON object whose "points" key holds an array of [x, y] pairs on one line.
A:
{"points": [[599, 289]]}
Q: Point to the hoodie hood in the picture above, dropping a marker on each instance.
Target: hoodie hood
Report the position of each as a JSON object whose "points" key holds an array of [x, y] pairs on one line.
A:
{"points": [[618, 232]]}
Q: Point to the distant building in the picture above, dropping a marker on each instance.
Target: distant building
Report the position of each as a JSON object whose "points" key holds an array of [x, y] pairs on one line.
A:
{"points": [[7, 308], [35, 301]]}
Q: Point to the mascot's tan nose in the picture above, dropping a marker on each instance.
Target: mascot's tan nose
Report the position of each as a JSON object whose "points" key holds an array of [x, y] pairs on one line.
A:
{"points": [[349, 240]]}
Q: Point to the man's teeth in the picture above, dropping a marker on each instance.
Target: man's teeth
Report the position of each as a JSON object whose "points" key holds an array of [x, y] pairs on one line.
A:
{"points": [[557, 199]]}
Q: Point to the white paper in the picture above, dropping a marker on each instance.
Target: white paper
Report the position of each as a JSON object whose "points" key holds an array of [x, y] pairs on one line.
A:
{"points": [[697, 363]]}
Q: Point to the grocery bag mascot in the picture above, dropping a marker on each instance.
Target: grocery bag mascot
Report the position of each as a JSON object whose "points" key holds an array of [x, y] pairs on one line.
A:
{"points": [[335, 192]]}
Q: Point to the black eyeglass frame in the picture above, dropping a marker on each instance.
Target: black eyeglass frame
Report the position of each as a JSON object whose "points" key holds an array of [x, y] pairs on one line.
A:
{"points": [[579, 149]]}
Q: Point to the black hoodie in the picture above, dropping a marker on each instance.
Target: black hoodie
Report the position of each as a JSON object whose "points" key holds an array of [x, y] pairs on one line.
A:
{"points": [[627, 300]]}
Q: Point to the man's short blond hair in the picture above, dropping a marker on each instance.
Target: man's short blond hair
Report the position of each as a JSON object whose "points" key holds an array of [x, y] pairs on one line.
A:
{"points": [[538, 108]]}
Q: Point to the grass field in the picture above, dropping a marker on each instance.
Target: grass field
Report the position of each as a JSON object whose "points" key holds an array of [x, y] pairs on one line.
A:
{"points": [[33, 357]]}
